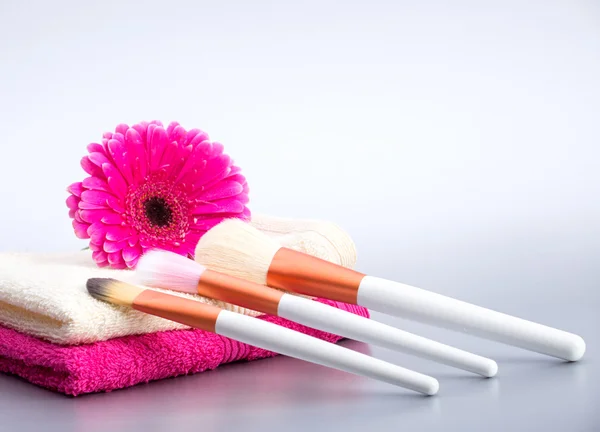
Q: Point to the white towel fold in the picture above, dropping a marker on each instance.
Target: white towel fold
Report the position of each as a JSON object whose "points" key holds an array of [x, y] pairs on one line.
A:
{"points": [[45, 295]]}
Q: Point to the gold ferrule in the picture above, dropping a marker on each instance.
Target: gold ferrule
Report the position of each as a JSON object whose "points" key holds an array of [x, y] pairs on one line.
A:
{"points": [[239, 292], [181, 310], [305, 274]]}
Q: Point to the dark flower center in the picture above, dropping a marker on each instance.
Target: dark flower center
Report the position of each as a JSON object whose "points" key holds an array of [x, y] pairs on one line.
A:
{"points": [[158, 211]]}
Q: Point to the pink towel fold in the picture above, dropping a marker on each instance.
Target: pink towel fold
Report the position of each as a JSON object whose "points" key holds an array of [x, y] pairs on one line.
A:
{"points": [[130, 360]]}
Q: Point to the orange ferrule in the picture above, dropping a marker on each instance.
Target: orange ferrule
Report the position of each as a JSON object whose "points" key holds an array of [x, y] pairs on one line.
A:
{"points": [[181, 310], [239, 292], [305, 274]]}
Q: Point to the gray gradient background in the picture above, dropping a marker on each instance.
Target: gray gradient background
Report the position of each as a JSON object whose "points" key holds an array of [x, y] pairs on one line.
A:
{"points": [[457, 142]]}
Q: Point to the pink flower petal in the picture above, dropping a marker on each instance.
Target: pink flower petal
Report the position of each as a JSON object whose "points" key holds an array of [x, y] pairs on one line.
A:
{"points": [[91, 216], [157, 141], [112, 219], [243, 197], [181, 158], [95, 148], [133, 240], [72, 213], [145, 243], [141, 128], [99, 256], [217, 148], [223, 189], [131, 253], [204, 223], [201, 139], [171, 129], [236, 177], [112, 247], [136, 152], [182, 137], [99, 159], [98, 198], [80, 229], [133, 263], [216, 169], [90, 168], [201, 159], [115, 180], [72, 202], [228, 205], [107, 217], [95, 183], [116, 260], [193, 236], [178, 248], [148, 138], [207, 149], [94, 247], [118, 233], [97, 232], [118, 153], [169, 157], [195, 135], [75, 189], [77, 216], [119, 137], [122, 128], [83, 205], [117, 206], [216, 179]]}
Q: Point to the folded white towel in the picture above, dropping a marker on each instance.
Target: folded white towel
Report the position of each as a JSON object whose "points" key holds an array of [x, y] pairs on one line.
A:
{"points": [[45, 295]]}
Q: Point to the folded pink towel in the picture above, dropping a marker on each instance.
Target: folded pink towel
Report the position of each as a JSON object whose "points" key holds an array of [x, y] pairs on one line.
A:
{"points": [[130, 360]]}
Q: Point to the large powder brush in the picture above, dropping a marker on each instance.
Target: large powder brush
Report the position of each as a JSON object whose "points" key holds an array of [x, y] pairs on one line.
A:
{"points": [[235, 248]]}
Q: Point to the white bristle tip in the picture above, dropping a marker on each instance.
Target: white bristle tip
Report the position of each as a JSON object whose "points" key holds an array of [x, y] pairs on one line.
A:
{"points": [[168, 270]]}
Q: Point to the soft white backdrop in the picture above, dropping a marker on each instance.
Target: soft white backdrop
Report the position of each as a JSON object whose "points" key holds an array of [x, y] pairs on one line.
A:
{"points": [[454, 140]]}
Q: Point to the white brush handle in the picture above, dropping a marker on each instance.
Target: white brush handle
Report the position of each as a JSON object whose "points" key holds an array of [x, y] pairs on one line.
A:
{"points": [[342, 323], [431, 308], [281, 340]]}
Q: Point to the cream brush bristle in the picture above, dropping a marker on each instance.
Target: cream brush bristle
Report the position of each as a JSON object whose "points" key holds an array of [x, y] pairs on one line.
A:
{"points": [[236, 248]]}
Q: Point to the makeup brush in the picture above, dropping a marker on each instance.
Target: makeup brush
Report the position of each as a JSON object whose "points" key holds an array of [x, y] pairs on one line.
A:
{"points": [[236, 248], [258, 333], [164, 269]]}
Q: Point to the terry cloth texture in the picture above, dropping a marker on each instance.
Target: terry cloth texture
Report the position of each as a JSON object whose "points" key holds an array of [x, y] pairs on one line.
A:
{"points": [[130, 360]]}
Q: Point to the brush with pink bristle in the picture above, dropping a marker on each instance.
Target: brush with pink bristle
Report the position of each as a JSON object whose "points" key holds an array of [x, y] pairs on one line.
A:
{"points": [[171, 271]]}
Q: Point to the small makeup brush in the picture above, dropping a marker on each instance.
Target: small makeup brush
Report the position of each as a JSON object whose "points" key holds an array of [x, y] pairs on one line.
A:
{"points": [[169, 270], [258, 333], [236, 248]]}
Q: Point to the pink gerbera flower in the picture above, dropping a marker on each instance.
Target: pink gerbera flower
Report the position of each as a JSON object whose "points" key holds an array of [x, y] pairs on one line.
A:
{"points": [[151, 187]]}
